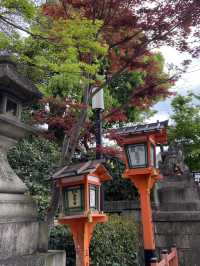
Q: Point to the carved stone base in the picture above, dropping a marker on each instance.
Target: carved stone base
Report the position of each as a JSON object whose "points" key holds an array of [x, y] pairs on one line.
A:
{"points": [[17, 208], [180, 228], [18, 239], [19, 229]]}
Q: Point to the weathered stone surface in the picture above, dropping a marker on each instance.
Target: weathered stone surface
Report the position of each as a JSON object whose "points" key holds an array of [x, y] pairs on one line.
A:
{"points": [[18, 239], [43, 237], [17, 208], [177, 228], [9, 181], [52, 258]]}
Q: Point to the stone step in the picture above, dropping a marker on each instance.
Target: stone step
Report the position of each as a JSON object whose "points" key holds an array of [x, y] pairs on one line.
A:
{"points": [[175, 216], [170, 184], [17, 208], [183, 206], [178, 194]]}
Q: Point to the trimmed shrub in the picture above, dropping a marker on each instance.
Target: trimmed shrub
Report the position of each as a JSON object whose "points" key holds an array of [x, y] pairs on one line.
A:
{"points": [[115, 243]]}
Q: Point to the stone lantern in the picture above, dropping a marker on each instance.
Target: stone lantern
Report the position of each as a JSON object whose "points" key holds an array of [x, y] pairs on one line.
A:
{"points": [[15, 92], [21, 235]]}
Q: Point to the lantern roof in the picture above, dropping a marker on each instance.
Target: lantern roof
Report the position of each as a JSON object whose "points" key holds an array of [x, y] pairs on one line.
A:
{"points": [[143, 128], [12, 82], [94, 167], [156, 130]]}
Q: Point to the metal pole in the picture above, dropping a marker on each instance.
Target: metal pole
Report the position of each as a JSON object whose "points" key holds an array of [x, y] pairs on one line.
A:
{"points": [[98, 132], [98, 136], [98, 107]]}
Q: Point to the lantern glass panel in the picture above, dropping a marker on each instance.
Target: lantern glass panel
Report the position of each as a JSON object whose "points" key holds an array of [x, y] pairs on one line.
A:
{"points": [[73, 199], [137, 155], [152, 155], [94, 197]]}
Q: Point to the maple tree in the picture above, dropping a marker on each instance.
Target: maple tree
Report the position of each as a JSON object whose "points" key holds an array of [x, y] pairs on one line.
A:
{"points": [[58, 62], [131, 29]]}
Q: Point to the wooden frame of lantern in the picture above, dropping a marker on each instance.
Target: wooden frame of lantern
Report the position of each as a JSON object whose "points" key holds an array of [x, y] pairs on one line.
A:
{"points": [[141, 153], [139, 145], [80, 195]]}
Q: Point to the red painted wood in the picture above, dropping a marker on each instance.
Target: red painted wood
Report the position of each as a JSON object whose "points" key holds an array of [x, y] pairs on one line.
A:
{"points": [[170, 259]]}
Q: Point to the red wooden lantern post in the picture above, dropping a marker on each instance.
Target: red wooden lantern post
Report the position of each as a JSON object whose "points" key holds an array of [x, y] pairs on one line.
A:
{"points": [[80, 209], [139, 143]]}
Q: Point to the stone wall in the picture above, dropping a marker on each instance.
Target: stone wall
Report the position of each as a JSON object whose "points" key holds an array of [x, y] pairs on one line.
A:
{"points": [[181, 229], [123, 207]]}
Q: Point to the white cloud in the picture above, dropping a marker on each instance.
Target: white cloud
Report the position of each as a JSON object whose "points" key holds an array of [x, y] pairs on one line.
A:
{"points": [[160, 116], [189, 81]]}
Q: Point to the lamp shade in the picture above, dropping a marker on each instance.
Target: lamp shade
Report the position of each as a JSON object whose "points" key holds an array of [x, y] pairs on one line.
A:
{"points": [[98, 99]]}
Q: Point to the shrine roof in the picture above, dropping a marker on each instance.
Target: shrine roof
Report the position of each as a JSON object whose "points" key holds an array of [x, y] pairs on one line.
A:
{"points": [[142, 128], [78, 169]]}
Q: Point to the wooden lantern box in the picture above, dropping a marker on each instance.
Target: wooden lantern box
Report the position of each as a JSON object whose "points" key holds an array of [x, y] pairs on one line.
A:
{"points": [[79, 186]]}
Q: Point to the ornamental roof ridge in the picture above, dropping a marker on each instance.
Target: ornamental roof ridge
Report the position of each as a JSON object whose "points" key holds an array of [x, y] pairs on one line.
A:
{"points": [[142, 128], [77, 169]]}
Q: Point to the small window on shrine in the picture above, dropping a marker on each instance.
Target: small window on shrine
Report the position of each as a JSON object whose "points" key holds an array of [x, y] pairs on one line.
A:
{"points": [[11, 107]]}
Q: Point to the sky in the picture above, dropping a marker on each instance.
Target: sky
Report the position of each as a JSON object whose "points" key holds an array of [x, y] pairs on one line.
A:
{"points": [[190, 81]]}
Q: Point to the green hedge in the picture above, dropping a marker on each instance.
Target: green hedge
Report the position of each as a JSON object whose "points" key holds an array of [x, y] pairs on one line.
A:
{"points": [[113, 244], [33, 160]]}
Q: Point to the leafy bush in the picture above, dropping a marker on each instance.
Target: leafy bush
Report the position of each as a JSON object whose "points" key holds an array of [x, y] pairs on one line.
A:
{"points": [[33, 160], [113, 244]]}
